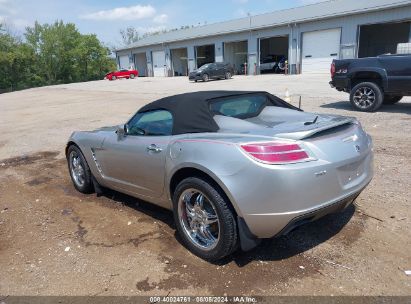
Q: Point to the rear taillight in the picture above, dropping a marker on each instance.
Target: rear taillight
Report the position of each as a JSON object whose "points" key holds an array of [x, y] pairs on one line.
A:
{"points": [[276, 152], [332, 70]]}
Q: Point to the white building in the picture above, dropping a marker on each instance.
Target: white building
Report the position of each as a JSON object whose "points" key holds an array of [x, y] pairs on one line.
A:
{"points": [[308, 36]]}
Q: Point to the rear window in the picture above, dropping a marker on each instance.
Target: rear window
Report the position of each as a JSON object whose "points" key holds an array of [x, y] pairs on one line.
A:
{"points": [[242, 106]]}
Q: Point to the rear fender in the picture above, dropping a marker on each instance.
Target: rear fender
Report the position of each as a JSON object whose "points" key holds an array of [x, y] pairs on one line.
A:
{"points": [[359, 74], [206, 171]]}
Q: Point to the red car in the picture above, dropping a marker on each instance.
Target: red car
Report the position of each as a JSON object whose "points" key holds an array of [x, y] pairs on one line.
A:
{"points": [[122, 74]]}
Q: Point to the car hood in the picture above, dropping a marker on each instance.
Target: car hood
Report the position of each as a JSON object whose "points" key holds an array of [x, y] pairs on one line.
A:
{"points": [[107, 129]]}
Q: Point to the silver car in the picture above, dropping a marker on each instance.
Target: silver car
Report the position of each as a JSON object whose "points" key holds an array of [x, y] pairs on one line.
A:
{"points": [[235, 167]]}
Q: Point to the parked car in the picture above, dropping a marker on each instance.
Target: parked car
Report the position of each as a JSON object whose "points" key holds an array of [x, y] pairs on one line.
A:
{"points": [[373, 81], [123, 73], [273, 63], [216, 70], [233, 166]]}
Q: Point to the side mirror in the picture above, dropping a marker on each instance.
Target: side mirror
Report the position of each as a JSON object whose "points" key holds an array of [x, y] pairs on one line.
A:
{"points": [[121, 131]]}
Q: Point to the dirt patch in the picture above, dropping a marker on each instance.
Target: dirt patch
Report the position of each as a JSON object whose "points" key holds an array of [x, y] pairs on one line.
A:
{"points": [[38, 181], [27, 159], [351, 253], [58, 214], [46, 220], [271, 265]]}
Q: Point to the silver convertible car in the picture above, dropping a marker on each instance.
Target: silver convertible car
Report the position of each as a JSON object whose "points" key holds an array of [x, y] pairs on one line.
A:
{"points": [[235, 167]]}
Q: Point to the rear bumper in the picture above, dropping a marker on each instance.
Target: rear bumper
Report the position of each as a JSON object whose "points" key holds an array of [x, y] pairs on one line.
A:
{"points": [[319, 213], [274, 201], [271, 225], [248, 241], [340, 83]]}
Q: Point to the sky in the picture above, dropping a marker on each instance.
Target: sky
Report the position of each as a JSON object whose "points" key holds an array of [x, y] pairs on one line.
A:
{"points": [[106, 17]]}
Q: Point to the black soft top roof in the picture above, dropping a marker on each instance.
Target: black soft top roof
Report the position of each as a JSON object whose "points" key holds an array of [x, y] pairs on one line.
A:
{"points": [[191, 112]]}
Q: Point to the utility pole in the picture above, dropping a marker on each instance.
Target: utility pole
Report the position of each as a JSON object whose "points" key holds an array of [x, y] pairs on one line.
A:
{"points": [[248, 66]]}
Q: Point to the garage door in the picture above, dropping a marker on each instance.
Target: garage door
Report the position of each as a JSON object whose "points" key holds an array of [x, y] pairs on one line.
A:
{"points": [[159, 64], [141, 64], [124, 62], [319, 49]]}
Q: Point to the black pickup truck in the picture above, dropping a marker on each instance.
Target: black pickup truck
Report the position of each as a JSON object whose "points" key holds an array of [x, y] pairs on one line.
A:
{"points": [[373, 81]]}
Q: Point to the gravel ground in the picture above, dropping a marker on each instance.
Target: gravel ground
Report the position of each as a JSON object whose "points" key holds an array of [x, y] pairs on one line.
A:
{"points": [[56, 241]]}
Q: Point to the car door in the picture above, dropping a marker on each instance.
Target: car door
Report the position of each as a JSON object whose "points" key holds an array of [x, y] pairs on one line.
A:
{"points": [[135, 162], [221, 69], [126, 74], [123, 73], [213, 71], [119, 74], [398, 69]]}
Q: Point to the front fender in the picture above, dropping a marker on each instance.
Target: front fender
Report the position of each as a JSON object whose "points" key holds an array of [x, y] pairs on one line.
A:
{"points": [[86, 141]]}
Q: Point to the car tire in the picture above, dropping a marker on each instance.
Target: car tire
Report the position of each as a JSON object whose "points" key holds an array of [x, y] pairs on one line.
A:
{"points": [[132, 76], [201, 238], [389, 99], [113, 77], [227, 75], [205, 77], [79, 170], [195, 80], [366, 97]]}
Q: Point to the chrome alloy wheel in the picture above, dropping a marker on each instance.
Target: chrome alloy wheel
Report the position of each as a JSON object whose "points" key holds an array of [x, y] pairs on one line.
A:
{"points": [[199, 219], [77, 169], [364, 97]]}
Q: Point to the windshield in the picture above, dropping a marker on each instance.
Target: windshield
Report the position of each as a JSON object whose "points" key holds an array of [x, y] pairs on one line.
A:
{"points": [[242, 106], [204, 66]]}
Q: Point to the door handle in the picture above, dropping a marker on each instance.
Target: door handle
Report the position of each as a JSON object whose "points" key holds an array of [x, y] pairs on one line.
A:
{"points": [[154, 148]]}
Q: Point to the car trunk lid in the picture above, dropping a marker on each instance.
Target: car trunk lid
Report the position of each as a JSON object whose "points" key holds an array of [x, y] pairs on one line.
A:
{"points": [[331, 138], [291, 124], [283, 123]]}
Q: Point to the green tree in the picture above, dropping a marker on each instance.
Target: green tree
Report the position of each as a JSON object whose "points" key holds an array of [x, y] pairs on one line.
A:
{"points": [[51, 54], [92, 58], [16, 63], [55, 48]]}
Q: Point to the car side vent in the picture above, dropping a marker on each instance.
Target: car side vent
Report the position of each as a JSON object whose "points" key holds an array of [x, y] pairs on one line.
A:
{"points": [[93, 154]]}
